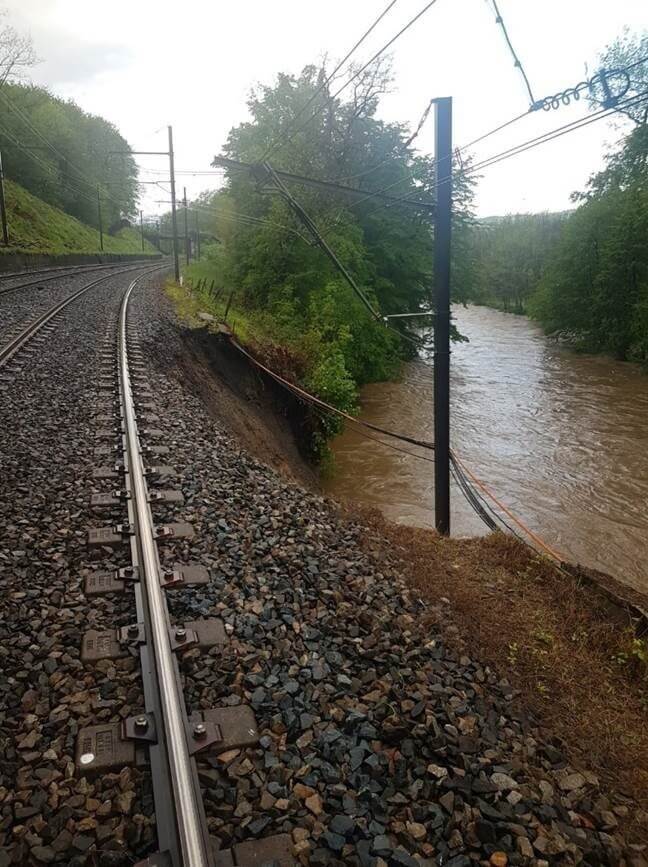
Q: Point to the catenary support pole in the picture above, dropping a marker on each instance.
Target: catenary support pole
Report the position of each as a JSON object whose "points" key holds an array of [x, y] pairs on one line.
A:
{"points": [[142, 230], [99, 218], [186, 229], [197, 221], [174, 217], [442, 231], [3, 207]]}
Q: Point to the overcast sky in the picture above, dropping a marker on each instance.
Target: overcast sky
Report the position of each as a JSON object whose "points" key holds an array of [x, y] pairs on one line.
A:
{"points": [[146, 63]]}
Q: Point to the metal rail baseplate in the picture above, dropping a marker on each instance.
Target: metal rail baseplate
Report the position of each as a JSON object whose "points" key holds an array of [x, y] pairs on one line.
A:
{"points": [[162, 736]]}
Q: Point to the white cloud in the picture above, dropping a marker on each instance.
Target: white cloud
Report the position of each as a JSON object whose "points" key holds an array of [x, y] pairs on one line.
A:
{"points": [[144, 64]]}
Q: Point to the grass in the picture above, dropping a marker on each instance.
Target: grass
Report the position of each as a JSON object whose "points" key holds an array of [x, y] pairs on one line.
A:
{"points": [[254, 329], [575, 662], [36, 227]]}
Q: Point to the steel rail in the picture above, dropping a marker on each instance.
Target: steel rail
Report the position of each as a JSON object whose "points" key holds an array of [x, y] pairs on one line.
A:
{"points": [[71, 271], [187, 803], [8, 351]]}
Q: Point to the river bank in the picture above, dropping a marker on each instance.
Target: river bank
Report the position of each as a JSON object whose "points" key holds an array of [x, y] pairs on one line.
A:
{"points": [[558, 436], [571, 659]]}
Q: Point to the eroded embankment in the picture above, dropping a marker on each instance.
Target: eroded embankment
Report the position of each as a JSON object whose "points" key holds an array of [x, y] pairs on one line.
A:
{"points": [[570, 651]]}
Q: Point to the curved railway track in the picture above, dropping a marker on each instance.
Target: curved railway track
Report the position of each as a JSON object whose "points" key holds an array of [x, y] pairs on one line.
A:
{"points": [[25, 335], [57, 273]]}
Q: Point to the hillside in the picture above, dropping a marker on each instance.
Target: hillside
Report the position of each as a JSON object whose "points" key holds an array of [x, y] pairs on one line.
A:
{"points": [[36, 227]]}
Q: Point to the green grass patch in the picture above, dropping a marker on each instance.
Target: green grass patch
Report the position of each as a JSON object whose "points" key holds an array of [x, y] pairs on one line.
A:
{"points": [[36, 227]]}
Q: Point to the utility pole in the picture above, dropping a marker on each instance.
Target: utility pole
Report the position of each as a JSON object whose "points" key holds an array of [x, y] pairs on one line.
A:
{"points": [[186, 229], [142, 230], [100, 220], [3, 207], [442, 230], [174, 219], [197, 234]]}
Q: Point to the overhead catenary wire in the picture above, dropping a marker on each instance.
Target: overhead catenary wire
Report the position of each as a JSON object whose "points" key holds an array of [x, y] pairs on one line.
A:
{"points": [[358, 72], [527, 145], [324, 246], [273, 145], [37, 132], [516, 60], [248, 219], [410, 175], [459, 464]]}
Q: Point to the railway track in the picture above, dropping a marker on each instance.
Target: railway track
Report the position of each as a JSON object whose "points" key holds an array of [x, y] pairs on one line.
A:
{"points": [[56, 273], [20, 336], [173, 737], [377, 745]]}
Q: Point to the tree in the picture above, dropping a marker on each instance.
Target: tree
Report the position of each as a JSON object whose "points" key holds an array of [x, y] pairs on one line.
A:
{"points": [[16, 52], [628, 50], [63, 155], [596, 285], [387, 248]]}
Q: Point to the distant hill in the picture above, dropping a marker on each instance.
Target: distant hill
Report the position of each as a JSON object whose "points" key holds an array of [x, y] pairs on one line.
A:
{"points": [[36, 227], [494, 219]]}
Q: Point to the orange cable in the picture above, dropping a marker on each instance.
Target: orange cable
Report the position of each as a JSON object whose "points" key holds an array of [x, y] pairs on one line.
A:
{"points": [[315, 400], [555, 555]]}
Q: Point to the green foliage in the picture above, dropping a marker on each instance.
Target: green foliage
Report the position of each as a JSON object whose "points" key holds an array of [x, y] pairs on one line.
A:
{"points": [[628, 51], [595, 288], [284, 280], [37, 227], [82, 160], [509, 257]]}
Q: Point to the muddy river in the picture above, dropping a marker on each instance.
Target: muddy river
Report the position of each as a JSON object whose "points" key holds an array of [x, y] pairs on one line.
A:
{"points": [[561, 438]]}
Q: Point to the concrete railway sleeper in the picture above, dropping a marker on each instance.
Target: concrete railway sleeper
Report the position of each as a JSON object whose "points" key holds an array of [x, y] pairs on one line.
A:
{"points": [[45, 321], [165, 735], [56, 273]]}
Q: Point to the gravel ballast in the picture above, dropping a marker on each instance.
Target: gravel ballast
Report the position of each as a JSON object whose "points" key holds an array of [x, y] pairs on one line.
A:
{"points": [[379, 744]]}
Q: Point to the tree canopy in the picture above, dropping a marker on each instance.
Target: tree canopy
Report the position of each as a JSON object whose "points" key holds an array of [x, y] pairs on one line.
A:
{"points": [[268, 256], [62, 154]]}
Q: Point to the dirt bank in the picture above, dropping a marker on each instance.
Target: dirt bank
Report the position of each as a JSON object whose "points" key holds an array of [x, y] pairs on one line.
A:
{"points": [[570, 652]]}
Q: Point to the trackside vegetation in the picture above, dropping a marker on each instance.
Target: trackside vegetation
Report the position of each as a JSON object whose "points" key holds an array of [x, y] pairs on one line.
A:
{"points": [[282, 281]]}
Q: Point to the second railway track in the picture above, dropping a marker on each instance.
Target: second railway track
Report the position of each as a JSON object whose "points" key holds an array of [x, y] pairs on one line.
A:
{"points": [[21, 335]]}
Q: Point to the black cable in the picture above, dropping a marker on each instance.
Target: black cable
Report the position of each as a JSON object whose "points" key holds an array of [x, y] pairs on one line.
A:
{"points": [[436, 163], [516, 59], [528, 145], [362, 69], [272, 147], [557, 133], [30, 124]]}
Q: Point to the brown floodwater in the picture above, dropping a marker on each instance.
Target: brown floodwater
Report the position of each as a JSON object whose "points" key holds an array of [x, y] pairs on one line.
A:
{"points": [[560, 438]]}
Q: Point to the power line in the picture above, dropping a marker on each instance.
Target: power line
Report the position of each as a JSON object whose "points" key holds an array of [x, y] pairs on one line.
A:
{"points": [[329, 186], [362, 68], [28, 121], [437, 163], [493, 131], [516, 60], [556, 133], [248, 219], [272, 147], [531, 143], [47, 166]]}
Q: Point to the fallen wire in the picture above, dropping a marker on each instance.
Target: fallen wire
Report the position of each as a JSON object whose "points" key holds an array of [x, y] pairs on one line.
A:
{"points": [[461, 473]]}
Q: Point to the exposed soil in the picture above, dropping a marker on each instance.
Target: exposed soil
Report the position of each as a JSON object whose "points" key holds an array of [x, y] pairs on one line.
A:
{"points": [[265, 419], [567, 651]]}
